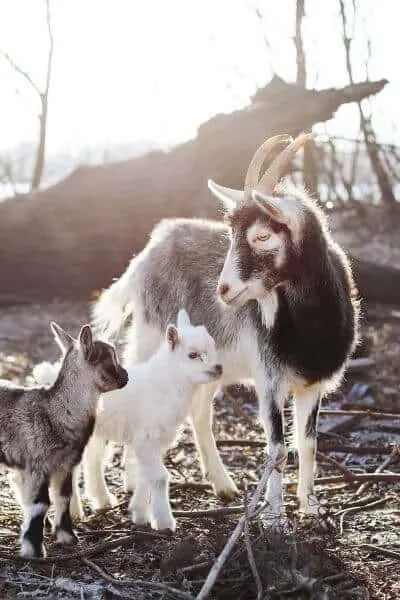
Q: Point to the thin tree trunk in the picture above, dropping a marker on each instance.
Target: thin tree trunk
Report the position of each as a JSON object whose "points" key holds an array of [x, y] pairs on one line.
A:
{"points": [[365, 123], [44, 98], [310, 175]]}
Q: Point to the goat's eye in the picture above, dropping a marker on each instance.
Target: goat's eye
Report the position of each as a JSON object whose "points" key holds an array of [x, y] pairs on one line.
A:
{"points": [[263, 237], [193, 355]]}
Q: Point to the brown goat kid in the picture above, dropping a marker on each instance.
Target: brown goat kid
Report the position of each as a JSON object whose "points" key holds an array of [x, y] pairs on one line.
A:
{"points": [[43, 432]]}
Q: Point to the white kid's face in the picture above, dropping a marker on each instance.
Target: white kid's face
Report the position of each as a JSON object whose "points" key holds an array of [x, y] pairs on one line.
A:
{"points": [[195, 349]]}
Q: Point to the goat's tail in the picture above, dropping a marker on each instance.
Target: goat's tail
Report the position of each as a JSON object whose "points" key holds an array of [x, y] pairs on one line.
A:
{"points": [[45, 373], [115, 304]]}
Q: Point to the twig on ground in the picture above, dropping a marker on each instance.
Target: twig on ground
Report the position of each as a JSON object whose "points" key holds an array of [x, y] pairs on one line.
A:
{"points": [[211, 512], [220, 561], [96, 549], [137, 582], [334, 463], [355, 364], [384, 551], [355, 509], [364, 486], [250, 553], [389, 477], [195, 567]]}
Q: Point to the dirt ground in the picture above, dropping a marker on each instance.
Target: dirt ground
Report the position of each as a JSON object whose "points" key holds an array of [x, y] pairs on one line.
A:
{"points": [[352, 555]]}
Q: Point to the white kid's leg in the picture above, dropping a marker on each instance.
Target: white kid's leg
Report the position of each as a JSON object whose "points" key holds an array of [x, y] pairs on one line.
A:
{"points": [[151, 468], [306, 409], [75, 506], [130, 468], [201, 414], [93, 469], [139, 506], [271, 396]]}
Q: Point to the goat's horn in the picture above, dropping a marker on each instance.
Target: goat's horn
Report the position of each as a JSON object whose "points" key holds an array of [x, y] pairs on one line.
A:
{"points": [[275, 171], [253, 172]]}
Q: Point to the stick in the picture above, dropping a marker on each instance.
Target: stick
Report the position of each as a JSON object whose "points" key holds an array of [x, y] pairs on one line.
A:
{"points": [[132, 582], [96, 549], [364, 486], [220, 561], [250, 553], [334, 463], [384, 551], [355, 509], [355, 364], [390, 477], [212, 512]]}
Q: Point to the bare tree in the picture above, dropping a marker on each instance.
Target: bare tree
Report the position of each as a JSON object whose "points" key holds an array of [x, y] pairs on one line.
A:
{"points": [[43, 95], [365, 122], [310, 163]]}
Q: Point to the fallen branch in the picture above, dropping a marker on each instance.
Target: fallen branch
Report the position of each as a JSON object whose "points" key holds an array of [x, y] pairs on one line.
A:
{"points": [[220, 561], [356, 364], [96, 549], [384, 551], [355, 509], [211, 512], [137, 582], [361, 413], [389, 477], [334, 463], [364, 486], [250, 554], [322, 446]]}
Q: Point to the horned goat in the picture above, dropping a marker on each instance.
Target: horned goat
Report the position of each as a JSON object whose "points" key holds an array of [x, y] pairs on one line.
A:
{"points": [[273, 289]]}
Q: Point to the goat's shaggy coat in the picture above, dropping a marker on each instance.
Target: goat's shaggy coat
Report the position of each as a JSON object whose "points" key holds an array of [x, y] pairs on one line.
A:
{"points": [[292, 317], [43, 432]]}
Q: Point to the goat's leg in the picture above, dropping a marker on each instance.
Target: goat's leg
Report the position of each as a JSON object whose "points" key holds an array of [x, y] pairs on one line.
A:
{"points": [[151, 468], [201, 414], [75, 506], [306, 409], [271, 396], [93, 469], [130, 468], [61, 492], [35, 495], [139, 505]]}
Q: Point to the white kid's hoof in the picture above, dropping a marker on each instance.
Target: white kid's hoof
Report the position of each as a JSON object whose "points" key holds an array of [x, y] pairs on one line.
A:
{"points": [[101, 502], [311, 506], [168, 523], [227, 490], [139, 518]]}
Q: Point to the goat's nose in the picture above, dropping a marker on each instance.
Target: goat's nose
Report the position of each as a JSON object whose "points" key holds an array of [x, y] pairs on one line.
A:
{"points": [[218, 370], [223, 289]]}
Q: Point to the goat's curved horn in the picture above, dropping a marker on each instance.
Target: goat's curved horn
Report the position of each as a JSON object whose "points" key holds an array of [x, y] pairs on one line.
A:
{"points": [[253, 172], [274, 172]]}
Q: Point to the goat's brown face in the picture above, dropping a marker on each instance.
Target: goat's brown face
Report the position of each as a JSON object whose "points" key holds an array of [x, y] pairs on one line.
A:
{"points": [[108, 373]]}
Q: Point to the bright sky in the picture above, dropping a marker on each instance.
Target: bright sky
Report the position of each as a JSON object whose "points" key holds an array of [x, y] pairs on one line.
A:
{"points": [[126, 70]]}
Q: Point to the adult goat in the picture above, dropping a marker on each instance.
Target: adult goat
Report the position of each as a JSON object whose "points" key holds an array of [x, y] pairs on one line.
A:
{"points": [[273, 289]]}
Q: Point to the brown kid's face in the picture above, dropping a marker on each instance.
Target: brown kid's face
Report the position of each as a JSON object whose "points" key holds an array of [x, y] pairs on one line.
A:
{"points": [[108, 373]]}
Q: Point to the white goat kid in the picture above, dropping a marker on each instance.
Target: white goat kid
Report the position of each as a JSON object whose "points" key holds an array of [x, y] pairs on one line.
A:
{"points": [[146, 418]]}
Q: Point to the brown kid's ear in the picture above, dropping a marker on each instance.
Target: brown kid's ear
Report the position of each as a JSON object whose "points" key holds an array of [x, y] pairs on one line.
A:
{"points": [[86, 341], [172, 336], [63, 339]]}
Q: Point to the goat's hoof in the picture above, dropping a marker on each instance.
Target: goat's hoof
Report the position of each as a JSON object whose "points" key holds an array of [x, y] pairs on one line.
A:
{"points": [[311, 507], [108, 501], [67, 538], [228, 492], [28, 550], [167, 525], [139, 518]]}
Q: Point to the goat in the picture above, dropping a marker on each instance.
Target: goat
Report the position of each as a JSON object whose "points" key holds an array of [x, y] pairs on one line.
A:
{"points": [[145, 416], [275, 292], [44, 432]]}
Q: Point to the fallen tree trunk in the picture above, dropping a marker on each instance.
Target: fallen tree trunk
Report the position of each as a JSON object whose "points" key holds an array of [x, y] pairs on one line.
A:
{"points": [[75, 236]]}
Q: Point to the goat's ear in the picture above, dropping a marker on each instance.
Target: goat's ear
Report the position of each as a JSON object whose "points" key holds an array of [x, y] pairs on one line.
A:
{"points": [[172, 336], [281, 210], [230, 198], [86, 341], [63, 339], [183, 319]]}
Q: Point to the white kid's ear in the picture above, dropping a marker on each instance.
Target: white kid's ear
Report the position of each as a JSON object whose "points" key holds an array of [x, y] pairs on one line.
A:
{"points": [[172, 336], [183, 319], [280, 209], [86, 341], [63, 339], [230, 198]]}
